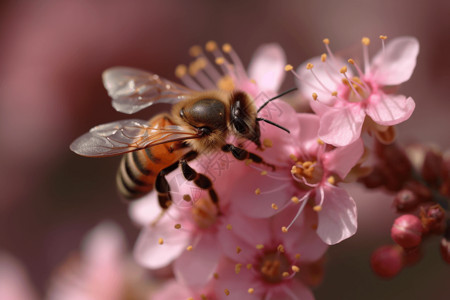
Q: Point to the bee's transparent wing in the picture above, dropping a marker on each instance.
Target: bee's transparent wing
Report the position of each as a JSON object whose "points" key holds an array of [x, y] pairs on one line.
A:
{"points": [[125, 136], [132, 90]]}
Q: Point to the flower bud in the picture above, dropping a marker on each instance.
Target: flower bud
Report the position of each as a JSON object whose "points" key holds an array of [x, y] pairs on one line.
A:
{"points": [[405, 200], [387, 261], [407, 231], [375, 179], [432, 218], [422, 192], [445, 250]]}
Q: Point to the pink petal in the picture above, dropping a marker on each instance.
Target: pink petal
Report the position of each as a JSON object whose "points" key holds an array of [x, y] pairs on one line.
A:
{"points": [[196, 267], [245, 233], [301, 237], [267, 67], [337, 219], [390, 109], [342, 159], [328, 75], [340, 127], [396, 64], [309, 128], [151, 254], [172, 290], [237, 284], [145, 210], [259, 192], [14, 281], [301, 291]]}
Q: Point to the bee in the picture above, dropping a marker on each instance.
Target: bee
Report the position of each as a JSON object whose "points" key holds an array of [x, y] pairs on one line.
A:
{"points": [[199, 123]]}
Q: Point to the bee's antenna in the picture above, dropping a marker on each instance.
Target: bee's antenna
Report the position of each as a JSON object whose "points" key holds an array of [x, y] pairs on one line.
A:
{"points": [[276, 97], [274, 124]]}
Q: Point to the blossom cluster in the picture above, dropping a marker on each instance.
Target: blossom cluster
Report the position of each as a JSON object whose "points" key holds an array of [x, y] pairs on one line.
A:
{"points": [[276, 219]]}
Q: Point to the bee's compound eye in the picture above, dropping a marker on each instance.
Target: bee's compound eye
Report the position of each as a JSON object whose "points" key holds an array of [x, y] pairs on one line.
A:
{"points": [[240, 126]]}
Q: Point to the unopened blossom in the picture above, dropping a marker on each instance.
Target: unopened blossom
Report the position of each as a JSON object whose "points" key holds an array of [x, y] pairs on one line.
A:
{"points": [[264, 263], [101, 271], [307, 171], [346, 100]]}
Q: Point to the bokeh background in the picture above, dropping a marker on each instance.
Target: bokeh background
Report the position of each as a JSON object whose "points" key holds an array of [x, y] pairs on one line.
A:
{"points": [[52, 54]]}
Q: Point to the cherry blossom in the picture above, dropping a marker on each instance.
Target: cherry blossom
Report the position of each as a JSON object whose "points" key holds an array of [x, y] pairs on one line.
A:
{"points": [[345, 101]]}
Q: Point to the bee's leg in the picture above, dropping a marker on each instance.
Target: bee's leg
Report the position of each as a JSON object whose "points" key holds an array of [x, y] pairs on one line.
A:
{"points": [[242, 154], [200, 180], [162, 186]]}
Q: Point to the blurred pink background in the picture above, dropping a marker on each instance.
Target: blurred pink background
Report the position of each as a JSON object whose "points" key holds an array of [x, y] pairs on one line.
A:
{"points": [[52, 54]]}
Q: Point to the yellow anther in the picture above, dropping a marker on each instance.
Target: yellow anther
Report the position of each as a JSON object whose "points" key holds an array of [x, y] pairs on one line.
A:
{"points": [[260, 246], [187, 197], [201, 62], [249, 266], [343, 70], [280, 248], [237, 268], [226, 48], [229, 227], [180, 71], [248, 162], [309, 66], [326, 41], [257, 191], [331, 180], [264, 172], [351, 61], [238, 249], [177, 226], [295, 269], [320, 142], [345, 81], [365, 41], [295, 200], [203, 297], [317, 208], [190, 298], [251, 290], [160, 241], [216, 276], [220, 60], [288, 68], [383, 37], [267, 143], [193, 68], [189, 248], [274, 206], [226, 83], [211, 46], [284, 229], [297, 256], [314, 96], [293, 157], [334, 94], [285, 274], [195, 50], [323, 57], [227, 292]]}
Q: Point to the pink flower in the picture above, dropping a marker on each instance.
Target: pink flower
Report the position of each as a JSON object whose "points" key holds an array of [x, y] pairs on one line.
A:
{"points": [[263, 262], [345, 101], [307, 171], [186, 233], [102, 271]]}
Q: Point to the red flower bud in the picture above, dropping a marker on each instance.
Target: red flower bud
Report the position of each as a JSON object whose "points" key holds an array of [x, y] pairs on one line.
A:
{"points": [[405, 200], [387, 261], [433, 218], [407, 231]]}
